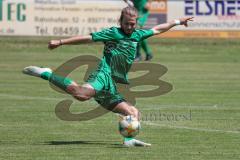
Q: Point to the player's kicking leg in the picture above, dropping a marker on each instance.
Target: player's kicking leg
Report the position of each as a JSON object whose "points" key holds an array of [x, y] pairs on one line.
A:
{"points": [[125, 109], [81, 93]]}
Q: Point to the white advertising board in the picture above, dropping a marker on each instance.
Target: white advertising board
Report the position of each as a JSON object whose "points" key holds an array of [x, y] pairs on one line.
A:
{"points": [[212, 18]]}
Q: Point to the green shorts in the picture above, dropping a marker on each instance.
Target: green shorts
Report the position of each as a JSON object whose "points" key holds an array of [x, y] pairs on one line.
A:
{"points": [[106, 89]]}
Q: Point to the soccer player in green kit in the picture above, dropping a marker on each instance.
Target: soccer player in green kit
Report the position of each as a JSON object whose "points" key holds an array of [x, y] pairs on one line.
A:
{"points": [[118, 56], [142, 7]]}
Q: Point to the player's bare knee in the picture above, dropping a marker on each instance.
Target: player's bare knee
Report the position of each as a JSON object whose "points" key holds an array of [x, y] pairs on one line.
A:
{"points": [[79, 93], [73, 89]]}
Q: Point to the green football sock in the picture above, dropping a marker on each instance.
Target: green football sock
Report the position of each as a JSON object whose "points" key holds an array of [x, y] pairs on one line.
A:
{"points": [[59, 81], [146, 48], [127, 139], [46, 75]]}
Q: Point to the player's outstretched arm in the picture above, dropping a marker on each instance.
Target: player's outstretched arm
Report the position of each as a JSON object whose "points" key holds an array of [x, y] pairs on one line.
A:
{"points": [[166, 26], [68, 41]]}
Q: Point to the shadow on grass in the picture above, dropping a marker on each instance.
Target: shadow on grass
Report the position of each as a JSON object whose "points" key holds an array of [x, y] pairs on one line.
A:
{"points": [[106, 144], [97, 143]]}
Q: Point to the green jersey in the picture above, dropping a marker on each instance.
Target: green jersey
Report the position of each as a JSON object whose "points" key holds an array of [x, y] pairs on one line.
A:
{"points": [[119, 51]]}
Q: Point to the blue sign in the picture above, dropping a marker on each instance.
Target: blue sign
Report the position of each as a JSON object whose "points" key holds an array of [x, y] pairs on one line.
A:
{"points": [[210, 7]]}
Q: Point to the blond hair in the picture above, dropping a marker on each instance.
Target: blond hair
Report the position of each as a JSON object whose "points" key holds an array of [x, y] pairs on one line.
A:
{"points": [[128, 11]]}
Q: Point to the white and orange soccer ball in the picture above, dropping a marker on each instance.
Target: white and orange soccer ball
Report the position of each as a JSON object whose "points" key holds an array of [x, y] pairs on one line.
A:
{"points": [[129, 126]]}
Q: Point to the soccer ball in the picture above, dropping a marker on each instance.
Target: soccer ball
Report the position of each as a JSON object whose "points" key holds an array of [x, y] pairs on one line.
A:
{"points": [[129, 126]]}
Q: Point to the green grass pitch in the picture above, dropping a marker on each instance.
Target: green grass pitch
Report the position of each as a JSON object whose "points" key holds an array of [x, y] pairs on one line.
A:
{"points": [[198, 120]]}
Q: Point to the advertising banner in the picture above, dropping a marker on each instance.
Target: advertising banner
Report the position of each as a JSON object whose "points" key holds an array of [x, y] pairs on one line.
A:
{"points": [[213, 18], [158, 13], [57, 17]]}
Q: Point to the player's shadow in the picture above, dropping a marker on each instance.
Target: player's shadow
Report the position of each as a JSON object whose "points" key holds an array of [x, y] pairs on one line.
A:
{"points": [[99, 143]]}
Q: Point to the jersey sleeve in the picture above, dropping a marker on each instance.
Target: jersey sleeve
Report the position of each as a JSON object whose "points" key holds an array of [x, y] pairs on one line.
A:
{"points": [[104, 35], [144, 34]]}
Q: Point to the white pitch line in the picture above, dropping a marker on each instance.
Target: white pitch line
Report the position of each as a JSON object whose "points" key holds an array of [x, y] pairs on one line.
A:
{"points": [[10, 96], [157, 107], [190, 128]]}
